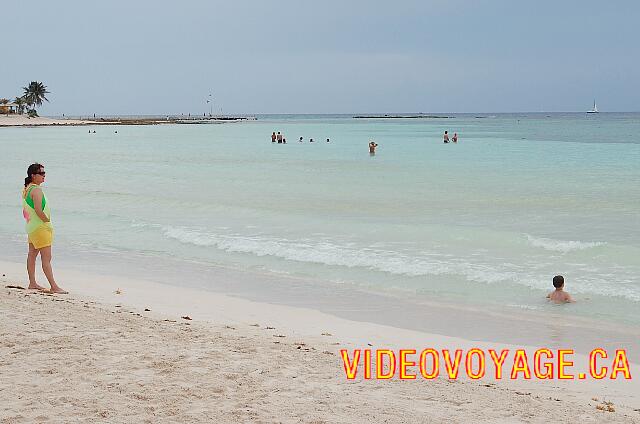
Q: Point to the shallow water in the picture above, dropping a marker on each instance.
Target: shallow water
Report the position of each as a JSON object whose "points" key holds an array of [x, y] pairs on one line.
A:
{"points": [[488, 221]]}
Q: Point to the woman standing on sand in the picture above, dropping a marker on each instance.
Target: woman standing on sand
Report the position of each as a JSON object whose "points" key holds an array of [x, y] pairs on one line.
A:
{"points": [[35, 210]]}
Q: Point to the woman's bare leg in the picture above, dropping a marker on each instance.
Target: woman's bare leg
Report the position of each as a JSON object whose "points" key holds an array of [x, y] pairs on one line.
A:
{"points": [[31, 268], [45, 257]]}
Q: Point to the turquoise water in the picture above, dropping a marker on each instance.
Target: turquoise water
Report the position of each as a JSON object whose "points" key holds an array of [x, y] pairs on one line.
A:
{"points": [[488, 221]]}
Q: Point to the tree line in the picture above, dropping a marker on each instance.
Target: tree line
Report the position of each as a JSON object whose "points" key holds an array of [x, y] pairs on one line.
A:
{"points": [[34, 94]]}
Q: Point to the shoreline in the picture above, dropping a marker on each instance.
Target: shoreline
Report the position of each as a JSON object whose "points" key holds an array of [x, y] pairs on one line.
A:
{"points": [[326, 333], [553, 327], [26, 122]]}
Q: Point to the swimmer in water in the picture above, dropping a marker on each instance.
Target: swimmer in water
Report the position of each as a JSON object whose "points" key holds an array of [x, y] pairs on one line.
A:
{"points": [[559, 295], [372, 147]]}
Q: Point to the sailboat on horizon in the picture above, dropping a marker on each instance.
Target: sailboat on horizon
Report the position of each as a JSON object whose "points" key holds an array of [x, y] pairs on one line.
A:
{"points": [[594, 109]]}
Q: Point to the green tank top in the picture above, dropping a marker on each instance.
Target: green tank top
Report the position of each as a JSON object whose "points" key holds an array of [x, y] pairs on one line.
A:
{"points": [[29, 212]]}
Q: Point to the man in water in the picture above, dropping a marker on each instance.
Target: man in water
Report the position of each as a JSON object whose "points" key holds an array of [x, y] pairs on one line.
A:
{"points": [[273, 137], [279, 137], [446, 137], [455, 137], [372, 147], [300, 140], [559, 295]]}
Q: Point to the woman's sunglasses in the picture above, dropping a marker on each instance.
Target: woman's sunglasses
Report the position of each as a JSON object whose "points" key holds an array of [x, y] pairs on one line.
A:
{"points": [[39, 173]]}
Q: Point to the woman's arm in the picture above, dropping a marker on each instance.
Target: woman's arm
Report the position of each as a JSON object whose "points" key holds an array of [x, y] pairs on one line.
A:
{"points": [[36, 195]]}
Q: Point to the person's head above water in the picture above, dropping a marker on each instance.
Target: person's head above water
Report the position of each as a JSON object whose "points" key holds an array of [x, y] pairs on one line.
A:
{"points": [[35, 174], [558, 281], [446, 132]]}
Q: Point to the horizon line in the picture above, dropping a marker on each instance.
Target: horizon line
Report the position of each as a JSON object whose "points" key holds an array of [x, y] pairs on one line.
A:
{"points": [[195, 115]]}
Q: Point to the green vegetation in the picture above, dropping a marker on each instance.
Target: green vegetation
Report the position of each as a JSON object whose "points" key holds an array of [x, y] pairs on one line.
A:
{"points": [[22, 104], [34, 94]]}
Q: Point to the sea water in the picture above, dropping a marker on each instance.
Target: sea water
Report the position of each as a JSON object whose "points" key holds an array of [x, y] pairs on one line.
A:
{"points": [[486, 222]]}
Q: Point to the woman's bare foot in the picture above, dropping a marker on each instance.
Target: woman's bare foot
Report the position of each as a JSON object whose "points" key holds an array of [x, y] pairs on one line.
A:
{"points": [[58, 290], [36, 287]]}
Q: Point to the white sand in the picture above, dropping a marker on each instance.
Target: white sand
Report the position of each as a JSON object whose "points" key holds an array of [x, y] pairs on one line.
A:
{"points": [[82, 358], [24, 120]]}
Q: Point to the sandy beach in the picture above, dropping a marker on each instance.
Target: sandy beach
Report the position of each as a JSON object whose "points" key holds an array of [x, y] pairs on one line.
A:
{"points": [[25, 121], [119, 350]]}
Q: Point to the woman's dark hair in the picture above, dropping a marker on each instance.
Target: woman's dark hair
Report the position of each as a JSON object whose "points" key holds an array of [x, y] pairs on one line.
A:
{"points": [[34, 168]]}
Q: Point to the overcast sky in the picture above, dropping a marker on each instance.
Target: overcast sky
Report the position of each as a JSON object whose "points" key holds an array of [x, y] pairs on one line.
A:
{"points": [[299, 56]]}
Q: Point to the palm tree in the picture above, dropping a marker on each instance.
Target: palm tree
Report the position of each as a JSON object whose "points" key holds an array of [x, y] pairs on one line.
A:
{"points": [[21, 102], [4, 101], [35, 93]]}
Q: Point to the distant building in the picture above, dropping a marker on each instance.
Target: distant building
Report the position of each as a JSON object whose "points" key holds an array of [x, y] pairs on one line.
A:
{"points": [[8, 108]]}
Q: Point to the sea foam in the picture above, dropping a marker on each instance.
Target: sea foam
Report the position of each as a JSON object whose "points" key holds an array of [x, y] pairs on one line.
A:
{"points": [[564, 246], [327, 252]]}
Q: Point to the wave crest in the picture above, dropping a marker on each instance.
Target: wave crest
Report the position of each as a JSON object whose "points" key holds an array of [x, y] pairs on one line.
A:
{"points": [[328, 253], [564, 246]]}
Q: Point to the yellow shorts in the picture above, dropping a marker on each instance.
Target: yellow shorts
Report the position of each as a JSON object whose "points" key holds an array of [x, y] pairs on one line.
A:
{"points": [[42, 237]]}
